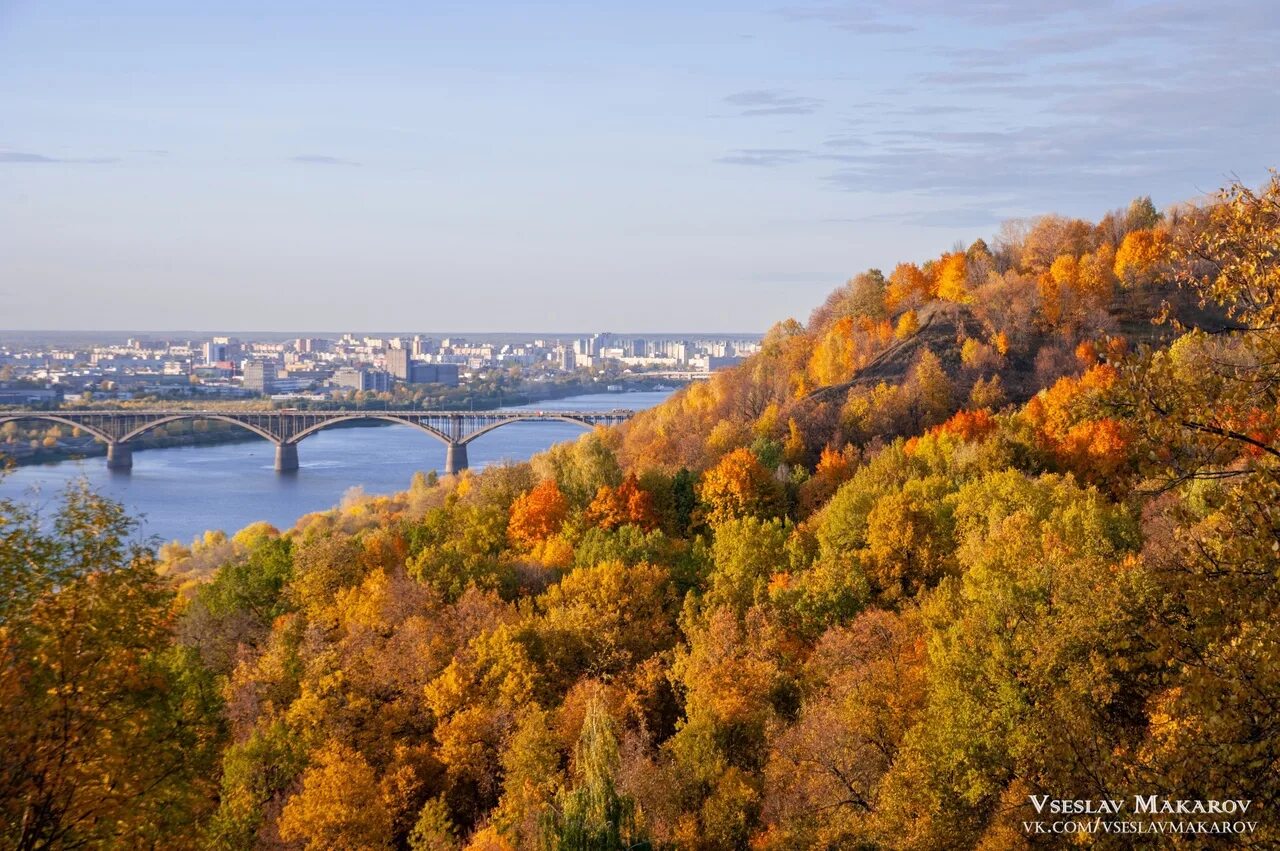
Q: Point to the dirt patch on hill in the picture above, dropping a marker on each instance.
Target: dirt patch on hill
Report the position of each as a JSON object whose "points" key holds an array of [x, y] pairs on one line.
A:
{"points": [[944, 327]]}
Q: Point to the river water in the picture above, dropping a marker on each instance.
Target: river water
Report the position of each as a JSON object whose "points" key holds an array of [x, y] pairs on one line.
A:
{"points": [[180, 492]]}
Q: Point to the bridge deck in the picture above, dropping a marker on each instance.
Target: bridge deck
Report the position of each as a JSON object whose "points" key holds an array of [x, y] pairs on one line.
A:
{"points": [[287, 426]]}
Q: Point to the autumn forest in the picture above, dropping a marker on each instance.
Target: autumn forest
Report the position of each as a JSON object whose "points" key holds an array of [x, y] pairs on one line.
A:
{"points": [[998, 524]]}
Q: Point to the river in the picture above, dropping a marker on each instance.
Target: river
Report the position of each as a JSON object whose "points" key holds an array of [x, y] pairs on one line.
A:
{"points": [[179, 492]]}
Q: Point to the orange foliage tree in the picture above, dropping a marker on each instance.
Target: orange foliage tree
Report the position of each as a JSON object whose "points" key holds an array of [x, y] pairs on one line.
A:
{"points": [[968, 425], [537, 515], [628, 504], [739, 486], [1094, 447], [908, 287], [835, 467]]}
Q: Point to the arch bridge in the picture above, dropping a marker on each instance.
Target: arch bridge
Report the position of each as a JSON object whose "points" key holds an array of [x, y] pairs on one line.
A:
{"points": [[285, 428]]}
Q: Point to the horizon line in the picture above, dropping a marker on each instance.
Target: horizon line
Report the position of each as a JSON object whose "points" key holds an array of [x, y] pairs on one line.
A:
{"points": [[223, 332]]}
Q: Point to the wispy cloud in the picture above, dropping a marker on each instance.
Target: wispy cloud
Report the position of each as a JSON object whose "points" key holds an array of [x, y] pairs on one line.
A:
{"points": [[852, 18], [874, 17], [944, 217], [772, 102], [967, 77], [318, 159], [844, 142], [1020, 104], [37, 159], [764, 157]]}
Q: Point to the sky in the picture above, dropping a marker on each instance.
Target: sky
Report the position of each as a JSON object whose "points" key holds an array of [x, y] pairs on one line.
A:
{"points": [[578, 166]]}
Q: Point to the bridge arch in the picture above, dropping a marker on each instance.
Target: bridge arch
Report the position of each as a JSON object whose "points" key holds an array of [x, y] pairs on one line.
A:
{"points": [[143, 429], [96, 432], [589, 426], [321, 426]]}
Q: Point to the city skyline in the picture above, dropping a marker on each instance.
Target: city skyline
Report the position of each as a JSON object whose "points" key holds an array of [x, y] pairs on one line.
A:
{"points": [[7, 334], [723, 165], [324, 369]]}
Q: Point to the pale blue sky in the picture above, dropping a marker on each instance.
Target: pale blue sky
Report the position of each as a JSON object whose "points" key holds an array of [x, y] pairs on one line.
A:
{"points": [[579, 165]]}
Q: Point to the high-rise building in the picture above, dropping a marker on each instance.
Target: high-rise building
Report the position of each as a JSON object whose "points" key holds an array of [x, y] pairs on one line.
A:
{"points": [[398, 363], [348, 378], [220, 350], [423, 347], [260, 375], [600, 342]]}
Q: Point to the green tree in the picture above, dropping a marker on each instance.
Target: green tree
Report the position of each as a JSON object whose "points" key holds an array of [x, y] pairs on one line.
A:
{"points": [[434, 830], [255, 773], [747, 551], [580, 468], [594, 815], [684, 489], [1031, 676], [908, 543], [238, 605]]}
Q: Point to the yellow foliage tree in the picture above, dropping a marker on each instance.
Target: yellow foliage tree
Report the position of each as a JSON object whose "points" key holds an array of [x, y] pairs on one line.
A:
{"points": [[339, 807], [1139, 253], [908, 324], [1097, 280], [1065, 271], [833, 359], [952, 280]]}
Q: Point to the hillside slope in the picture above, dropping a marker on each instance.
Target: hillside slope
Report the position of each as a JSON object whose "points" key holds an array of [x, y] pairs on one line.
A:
{"points": [[1003, 324], [753, 618]]}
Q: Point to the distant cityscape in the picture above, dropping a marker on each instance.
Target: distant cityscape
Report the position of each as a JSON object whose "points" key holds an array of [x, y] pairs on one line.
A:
{"points": [[319, 369]]}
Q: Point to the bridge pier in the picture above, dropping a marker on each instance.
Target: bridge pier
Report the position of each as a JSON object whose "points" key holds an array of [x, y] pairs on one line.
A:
{"points": [[455, 459], [119, 456], [286, 457]]}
